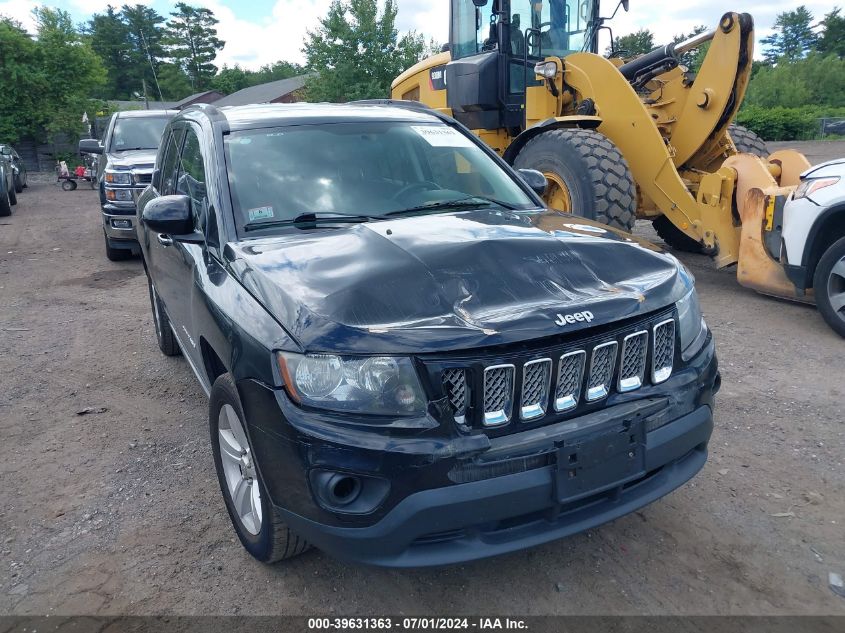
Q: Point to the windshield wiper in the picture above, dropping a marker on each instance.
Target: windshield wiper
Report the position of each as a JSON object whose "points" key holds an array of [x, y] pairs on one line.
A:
{"points": [[306, 219], [469, 201], [131, 149]]}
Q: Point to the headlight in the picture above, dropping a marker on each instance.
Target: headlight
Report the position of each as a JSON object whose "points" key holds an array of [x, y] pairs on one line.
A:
{"points": [[378, 385], [118, 178], [811, 185], [546, 69], [693, 329], [119, 195]]}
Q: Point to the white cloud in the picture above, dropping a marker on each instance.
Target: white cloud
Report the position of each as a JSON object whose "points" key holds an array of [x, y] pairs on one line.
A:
{"points": [[20, 10], [278, 37]]}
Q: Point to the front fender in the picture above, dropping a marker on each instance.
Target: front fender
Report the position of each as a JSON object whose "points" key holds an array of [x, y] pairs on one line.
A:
{"points": [[575, 120]]}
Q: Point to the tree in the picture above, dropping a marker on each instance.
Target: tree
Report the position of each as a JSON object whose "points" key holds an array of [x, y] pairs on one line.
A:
{"points": [[192, 43], [793, 36], [355, 54], [73, 69], [21, 104], [809, 82], [832, 39], [145, 34], [633, 44], [174, 82], [108, 35]]}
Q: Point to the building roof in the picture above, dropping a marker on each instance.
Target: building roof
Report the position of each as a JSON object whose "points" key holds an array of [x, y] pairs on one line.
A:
{"points": [[191, 98], [263, 93]]}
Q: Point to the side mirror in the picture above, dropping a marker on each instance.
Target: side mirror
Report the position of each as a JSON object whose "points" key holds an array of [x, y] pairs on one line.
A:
{"points": [[170, 215], [90, 146], [480, 3], [534, 179], [625, 5]]}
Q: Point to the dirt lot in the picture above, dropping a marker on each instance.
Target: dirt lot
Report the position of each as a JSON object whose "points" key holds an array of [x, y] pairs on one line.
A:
{"points": [[119, 512]]}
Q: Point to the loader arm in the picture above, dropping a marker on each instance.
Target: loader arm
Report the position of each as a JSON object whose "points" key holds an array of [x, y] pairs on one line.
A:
{"points": [[711, 102], [627, 121]]}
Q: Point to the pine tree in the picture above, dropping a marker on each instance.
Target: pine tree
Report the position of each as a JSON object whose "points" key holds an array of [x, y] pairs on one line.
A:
{"points": [[192, 43], [793, 36]]}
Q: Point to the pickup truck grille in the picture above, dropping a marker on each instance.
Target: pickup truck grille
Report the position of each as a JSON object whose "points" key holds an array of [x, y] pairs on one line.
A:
{"points": [[501, 390]]}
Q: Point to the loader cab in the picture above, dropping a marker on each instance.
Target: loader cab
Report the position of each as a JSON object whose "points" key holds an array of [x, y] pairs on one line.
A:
{"points": [[494, 45]]}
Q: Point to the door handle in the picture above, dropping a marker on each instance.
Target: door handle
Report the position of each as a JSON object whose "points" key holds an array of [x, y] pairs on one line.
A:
{"points": [[165, 240]]}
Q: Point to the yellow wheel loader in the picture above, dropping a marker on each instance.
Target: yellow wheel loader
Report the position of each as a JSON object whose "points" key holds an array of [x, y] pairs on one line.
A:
{"points": [[620, 140]]}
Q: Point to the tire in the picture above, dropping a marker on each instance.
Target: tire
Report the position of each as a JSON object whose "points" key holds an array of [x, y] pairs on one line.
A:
{"points": [[829, 286], [268, 539], [675, 237], [18, 185], [5, 204], [68, 185], [747, 142], [164, 332], [13, 197], [599, 183], [116, 254]]}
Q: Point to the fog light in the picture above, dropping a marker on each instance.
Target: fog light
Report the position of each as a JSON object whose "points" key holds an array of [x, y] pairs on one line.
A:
{"points": [[122, 224], [348, 493]]}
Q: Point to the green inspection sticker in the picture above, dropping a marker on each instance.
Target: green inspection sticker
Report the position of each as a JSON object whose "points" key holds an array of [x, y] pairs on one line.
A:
{"points": [[260, 213]]}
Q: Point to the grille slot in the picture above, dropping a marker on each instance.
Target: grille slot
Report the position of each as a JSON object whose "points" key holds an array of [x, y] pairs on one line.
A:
{"points": [[570, 375], [632, 365], [664, 351], [602, 364], [455, 386], [498, 394], [536, 378]]}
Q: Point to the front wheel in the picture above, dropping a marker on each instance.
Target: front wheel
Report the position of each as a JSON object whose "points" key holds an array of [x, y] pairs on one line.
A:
{"points": [[18, 184], [587, 175], [165, 337], [115, 254], [259, 527], [5, 205], [829, 286]]}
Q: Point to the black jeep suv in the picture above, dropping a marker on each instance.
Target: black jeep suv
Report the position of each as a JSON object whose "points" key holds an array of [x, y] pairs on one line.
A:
{"points": [[410, 360]]}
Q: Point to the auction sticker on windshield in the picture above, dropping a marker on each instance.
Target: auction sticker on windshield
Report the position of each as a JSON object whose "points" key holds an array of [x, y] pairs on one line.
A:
{"points": [[442, 136], [260, 213]]}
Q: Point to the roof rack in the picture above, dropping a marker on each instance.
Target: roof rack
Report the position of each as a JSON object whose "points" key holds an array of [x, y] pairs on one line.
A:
{"points": [[399, 103]]}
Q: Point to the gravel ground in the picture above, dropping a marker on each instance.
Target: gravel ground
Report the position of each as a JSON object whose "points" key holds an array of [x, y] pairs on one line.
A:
{"points": [[118, 511]]}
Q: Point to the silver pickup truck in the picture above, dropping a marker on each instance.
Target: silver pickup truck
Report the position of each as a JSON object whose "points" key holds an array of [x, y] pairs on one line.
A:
{"points": [[129, 149]]}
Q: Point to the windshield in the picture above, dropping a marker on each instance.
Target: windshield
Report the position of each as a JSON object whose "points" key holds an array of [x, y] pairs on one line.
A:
{"points": [[137, 133], [545, 27], [368, 169]]}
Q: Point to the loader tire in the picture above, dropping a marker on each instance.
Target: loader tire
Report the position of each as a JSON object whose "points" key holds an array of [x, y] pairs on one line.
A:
{"points": [[587, 175], [675, 237], [747, 142]]}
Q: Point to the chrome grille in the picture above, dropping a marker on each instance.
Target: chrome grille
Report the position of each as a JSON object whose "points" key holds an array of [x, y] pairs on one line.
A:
{"points": [[664, 351], [632, 367], [602, 364], [455, 386], [498, 394], [570, 374], [483, 393], [536, 377]]}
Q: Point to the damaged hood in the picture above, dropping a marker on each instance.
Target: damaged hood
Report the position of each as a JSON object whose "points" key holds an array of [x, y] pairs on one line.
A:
{"points": [[453, 281]]}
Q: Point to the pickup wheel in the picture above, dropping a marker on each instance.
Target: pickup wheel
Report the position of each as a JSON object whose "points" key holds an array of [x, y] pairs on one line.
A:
{"points": [[260, 529], [829, 286], [164, 332], [116, 254], [5, 205], [18, 184], [13, 197]]}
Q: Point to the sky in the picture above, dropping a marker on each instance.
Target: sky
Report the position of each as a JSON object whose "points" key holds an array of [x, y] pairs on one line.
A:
{"points": [[260, 32]]}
